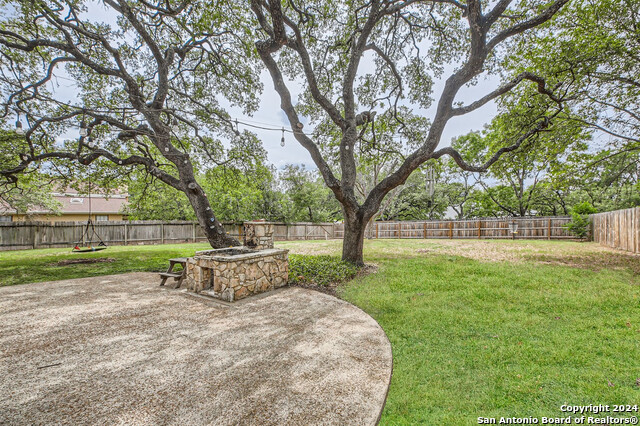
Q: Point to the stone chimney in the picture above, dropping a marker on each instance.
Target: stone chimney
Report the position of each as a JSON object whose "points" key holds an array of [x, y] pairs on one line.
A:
{"points": [[258, 235]]}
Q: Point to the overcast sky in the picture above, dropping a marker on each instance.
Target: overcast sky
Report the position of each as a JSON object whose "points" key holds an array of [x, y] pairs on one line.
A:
{"points": [[270, 114]]}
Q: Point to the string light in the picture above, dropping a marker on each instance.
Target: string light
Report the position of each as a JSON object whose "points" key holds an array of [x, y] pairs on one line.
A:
{"points": [[234, 123], [83, 128], [19, 129]]}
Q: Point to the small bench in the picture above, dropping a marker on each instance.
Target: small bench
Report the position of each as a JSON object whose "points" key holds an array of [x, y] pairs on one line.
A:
{"points": [[177, 276]]}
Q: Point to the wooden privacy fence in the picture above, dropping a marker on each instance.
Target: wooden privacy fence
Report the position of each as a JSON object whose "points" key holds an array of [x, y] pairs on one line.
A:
{"points": [[549, 228], [618, 229], [25, 235], [21, 235]]}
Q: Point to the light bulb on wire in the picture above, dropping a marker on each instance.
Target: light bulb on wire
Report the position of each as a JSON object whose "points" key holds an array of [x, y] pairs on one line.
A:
{"points": [[84, 132], [19, 129], [282, 140], [236, 131]]}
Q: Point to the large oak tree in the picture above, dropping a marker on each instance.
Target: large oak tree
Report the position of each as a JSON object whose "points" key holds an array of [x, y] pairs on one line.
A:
{"points": [[367, 61], [150, 79]]}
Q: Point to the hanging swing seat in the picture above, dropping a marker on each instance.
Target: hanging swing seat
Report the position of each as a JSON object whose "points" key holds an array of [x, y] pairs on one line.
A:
{"points": [[85, 243], [100, 246], [89, 235]]}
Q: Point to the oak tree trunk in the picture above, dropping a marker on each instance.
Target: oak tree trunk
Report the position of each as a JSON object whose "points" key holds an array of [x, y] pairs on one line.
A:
{"points": [[213, 229], [353, 243]]}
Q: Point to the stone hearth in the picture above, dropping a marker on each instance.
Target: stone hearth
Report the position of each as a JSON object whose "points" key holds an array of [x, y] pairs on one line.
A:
{"points": [[234, 273]]}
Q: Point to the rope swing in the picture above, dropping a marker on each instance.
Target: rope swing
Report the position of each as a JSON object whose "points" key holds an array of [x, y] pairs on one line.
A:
{"points": [[89, 234]]}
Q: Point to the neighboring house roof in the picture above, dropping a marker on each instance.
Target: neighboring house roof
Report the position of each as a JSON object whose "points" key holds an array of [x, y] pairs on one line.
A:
{"points": [[99, 203], [73, 203]]}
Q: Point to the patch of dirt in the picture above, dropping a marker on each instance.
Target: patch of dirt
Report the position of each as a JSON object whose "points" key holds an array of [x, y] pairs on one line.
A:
{"points": [[369, 268], [580, 255], [330, 247], [83, 261], [594, 262], [140, 342], [485, 251]]}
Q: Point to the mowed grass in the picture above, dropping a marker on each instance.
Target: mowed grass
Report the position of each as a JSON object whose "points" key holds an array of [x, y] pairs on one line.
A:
{"points": [[478, 328], [29, 266], [500, 339]]}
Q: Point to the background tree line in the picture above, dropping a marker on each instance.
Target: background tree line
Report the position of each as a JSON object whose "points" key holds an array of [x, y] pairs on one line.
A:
{"points": [[529, 182]]}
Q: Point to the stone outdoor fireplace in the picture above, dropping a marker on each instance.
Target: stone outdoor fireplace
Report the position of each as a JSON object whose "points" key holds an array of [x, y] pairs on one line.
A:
{"points": [[234, 273], [258, 235]]}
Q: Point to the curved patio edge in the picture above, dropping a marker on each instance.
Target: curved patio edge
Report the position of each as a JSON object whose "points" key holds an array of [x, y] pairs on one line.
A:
{"points": [[119, 349]]}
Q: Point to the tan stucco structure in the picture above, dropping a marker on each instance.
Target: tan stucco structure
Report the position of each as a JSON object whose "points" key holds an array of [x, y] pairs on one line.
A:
{"points": [[63, 217], [73, 207]]}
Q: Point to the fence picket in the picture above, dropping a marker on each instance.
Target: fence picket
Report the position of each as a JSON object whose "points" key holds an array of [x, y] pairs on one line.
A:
{"points": [[618, 229], [24, 235]]}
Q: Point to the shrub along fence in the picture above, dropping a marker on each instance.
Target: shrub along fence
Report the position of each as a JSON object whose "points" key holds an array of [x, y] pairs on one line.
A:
{"points": [[618, 229], [25, 235]]}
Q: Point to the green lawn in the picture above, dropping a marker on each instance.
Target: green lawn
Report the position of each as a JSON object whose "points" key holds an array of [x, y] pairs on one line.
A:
{"points": [[515, 337], [27, 266], [478, 328]]}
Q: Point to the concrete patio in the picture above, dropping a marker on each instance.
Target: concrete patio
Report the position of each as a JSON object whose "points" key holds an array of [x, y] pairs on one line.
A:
{"points": [[121, 350]]}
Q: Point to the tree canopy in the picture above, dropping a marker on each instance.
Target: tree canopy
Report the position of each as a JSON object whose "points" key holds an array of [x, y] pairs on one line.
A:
{"points": [[149, 88]]}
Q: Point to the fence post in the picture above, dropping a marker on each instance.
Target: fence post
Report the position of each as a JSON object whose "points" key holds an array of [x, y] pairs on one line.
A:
{"points": [[36, 231], [606, 226]]}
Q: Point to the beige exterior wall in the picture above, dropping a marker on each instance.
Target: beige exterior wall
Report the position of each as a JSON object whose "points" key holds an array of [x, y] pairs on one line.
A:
{"points": [[62, 218]]}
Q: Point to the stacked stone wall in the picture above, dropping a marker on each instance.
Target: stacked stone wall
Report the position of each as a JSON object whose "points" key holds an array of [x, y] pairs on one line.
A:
{"points": [[236, 279], [258, 235]]}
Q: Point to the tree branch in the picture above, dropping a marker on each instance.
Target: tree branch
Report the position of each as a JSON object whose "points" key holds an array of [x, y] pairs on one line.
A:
{"points": [[505, 88], [540, 19]]}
